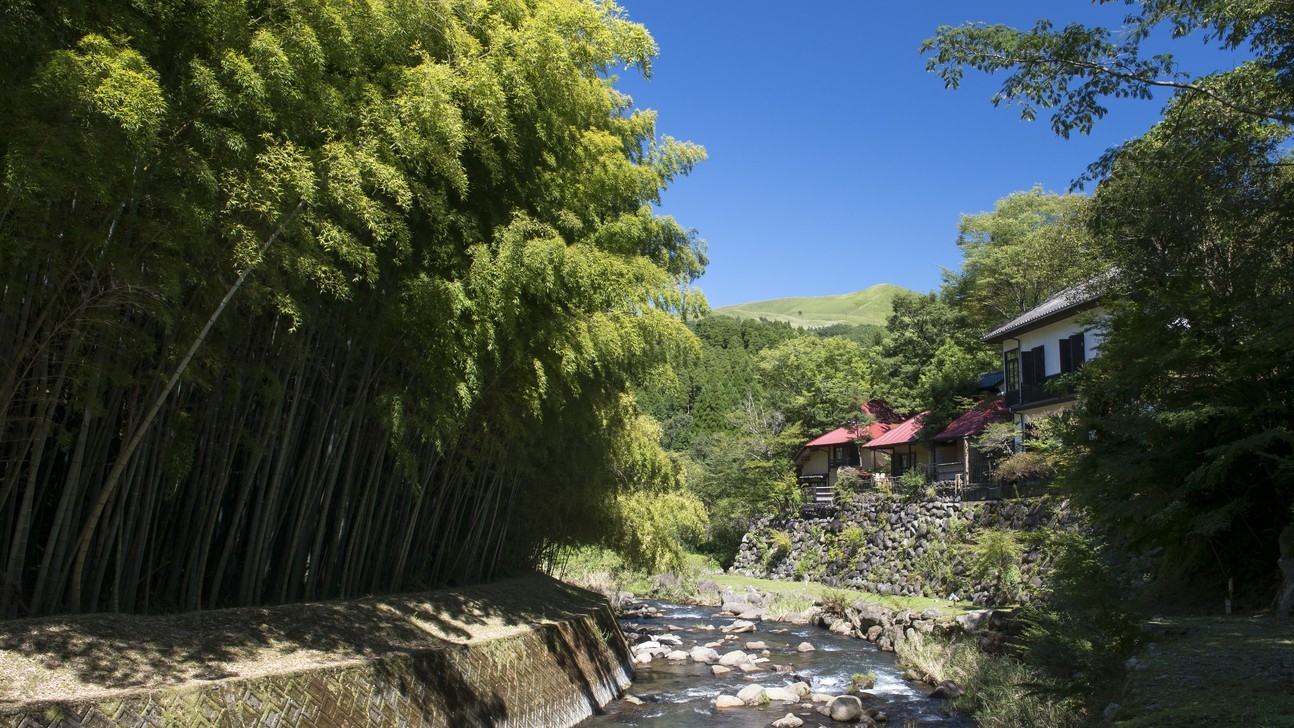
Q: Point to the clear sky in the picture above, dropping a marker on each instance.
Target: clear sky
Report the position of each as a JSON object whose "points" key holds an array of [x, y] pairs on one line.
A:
{"points": [[835, 160]]}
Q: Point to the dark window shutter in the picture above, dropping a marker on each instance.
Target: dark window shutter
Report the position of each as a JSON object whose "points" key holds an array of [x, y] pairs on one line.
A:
{"points": [[1078, 349], [1039, 365], [1066, 363], [1026, 367]]}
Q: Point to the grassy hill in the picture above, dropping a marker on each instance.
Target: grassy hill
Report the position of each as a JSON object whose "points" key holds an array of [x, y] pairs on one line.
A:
{"points": [[868, 306]]}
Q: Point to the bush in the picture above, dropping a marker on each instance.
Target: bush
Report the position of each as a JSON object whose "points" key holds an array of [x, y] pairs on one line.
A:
{"points": [[995, 561], [779, 544], [1000, 690], [1026, 466], [852, 537]]}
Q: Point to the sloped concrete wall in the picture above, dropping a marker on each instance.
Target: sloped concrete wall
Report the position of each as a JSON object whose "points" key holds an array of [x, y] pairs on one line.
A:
{"points": [[549, 675]]}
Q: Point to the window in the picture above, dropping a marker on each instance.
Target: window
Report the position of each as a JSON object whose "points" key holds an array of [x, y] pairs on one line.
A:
{"points": [[1011, 367], [1033, 366], [1072, 353], [902, 463], [844, 455]]}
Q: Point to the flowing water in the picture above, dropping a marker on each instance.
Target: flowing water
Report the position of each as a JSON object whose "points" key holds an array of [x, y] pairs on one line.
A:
{"points": [[682, 694]]}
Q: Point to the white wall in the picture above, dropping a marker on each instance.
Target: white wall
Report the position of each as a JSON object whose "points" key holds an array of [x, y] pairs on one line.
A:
{"points": [[1049, 336]]}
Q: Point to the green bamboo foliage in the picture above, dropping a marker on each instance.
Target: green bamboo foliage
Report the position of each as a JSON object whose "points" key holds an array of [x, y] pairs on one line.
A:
{"points": [[314, 299]]}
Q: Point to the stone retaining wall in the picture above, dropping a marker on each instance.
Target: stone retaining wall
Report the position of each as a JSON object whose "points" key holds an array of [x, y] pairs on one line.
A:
{"points": [[553, 673], [891, 545]]}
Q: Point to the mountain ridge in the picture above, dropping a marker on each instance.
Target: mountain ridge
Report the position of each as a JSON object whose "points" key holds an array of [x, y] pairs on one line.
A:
{"points": [[871, 306]]}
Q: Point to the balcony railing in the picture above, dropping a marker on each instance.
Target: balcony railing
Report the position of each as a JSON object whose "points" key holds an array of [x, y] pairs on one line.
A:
{"points": [[1046, 391]]}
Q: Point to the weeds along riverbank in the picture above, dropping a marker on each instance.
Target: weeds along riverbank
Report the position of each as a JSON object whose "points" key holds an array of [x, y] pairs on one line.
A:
{"points": [[1078, 655]]}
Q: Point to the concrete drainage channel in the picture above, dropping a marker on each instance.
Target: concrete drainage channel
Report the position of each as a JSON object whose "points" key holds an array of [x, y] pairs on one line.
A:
{"points": [[529, 652]]}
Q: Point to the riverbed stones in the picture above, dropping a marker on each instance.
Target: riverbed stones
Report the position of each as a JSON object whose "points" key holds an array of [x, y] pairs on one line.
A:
{"points": [[844, 709], [734, 658], [729, 701], [720, 670], [740, 626], [805, 647], [947, 690], [781, 695], [704, 655], [677, 656], [756, 646], [789, 721], [751, 694]]}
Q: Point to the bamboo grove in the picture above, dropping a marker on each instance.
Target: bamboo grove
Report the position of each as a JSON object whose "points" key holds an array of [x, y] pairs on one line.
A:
{"points": [[306, 299]]}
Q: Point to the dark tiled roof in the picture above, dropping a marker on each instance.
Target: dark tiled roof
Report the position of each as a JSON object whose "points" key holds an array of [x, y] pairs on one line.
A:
{"points": [[1063, 304], [990, 380]]}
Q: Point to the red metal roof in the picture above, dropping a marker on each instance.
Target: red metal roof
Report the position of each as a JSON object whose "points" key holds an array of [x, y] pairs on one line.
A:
{"points": [[900, 434], [884, 418], [838, 436], [974, 421]]}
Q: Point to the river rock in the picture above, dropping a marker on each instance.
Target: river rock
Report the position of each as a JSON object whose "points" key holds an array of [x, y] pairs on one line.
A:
{"points": [[677, 656], [720, 670], [805, 647], [728, 701], [782, 695], [704, 655], [751, 694], [740, 626], [801, 688], [845, 709], [790, 721], [633, 700], [734, 658], [947, 690], [755, 646]]}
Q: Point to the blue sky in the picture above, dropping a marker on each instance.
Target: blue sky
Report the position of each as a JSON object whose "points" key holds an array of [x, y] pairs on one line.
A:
{"points": [[836, 161]]}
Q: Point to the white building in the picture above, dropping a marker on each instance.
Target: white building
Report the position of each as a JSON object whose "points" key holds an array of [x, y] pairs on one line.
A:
{"points": [[1047, 341]]}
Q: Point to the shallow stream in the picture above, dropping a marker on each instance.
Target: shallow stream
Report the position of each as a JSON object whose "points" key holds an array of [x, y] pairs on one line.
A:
{"points": [[682, 694]]}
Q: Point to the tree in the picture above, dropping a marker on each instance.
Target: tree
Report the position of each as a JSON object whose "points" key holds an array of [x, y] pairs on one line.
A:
{"points": [[1191, 428], [424, 378], [919, 329], [816, 382], [1032, 245]]}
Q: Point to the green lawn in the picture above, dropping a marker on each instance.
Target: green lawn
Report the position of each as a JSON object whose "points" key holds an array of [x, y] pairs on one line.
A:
{"points": [[1213, 671], [809, 590]]}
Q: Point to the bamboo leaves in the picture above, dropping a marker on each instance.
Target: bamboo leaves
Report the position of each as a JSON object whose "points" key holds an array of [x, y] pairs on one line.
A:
{"points": [[425, 232]]}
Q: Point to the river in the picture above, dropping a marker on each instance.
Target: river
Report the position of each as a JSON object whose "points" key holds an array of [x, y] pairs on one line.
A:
{"points": [[682, 694]]}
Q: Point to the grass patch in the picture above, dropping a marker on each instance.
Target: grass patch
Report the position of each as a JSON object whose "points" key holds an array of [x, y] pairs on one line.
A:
{"points": [[1000, 691], [1216, 671], [813, 590]]}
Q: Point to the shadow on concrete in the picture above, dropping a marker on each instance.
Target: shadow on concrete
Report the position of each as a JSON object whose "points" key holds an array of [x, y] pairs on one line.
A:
{"points": [[109, 653]]}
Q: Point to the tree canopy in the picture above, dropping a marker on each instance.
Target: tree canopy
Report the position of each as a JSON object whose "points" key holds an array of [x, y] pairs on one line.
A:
{"points": [[1185, 427], [314, 299]]}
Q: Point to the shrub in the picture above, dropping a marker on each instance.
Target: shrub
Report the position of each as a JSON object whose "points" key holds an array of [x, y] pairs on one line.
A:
{"points": [[1025, 466], [995, 561], [852, 537], [779, 545], [835, 601]]}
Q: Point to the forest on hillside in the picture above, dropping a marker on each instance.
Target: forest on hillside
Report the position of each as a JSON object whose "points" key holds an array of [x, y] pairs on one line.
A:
{"points": [[304, 300]]}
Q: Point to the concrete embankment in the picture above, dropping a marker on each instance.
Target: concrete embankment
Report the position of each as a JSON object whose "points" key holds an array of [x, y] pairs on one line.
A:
{"points": [[529, 651]]}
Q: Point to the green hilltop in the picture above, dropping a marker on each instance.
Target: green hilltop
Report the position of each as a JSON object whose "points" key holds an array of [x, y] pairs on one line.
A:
{"points": [[868, 306]]}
